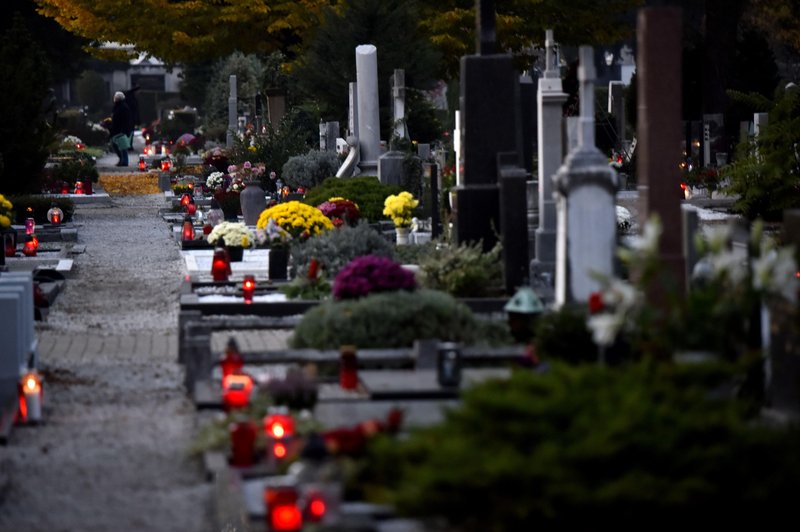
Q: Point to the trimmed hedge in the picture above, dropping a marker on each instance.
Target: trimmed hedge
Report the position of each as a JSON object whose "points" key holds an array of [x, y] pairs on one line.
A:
{"points": [[40, 205], [366, 191]]}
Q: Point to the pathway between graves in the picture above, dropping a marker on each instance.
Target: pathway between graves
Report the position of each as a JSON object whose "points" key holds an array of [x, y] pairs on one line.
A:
{"points": [[112, 453]]}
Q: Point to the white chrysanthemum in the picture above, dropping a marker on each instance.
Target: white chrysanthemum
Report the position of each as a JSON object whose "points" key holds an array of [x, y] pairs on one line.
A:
{"points": [[774, 273], [605, 328], [651, 233], [718, 238]]}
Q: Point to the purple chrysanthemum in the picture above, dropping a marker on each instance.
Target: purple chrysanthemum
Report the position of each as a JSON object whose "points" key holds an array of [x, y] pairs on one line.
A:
{"points": [[368, 274]]}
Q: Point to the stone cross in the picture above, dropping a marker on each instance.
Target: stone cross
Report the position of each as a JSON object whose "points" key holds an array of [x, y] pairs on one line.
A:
{"points": [[586, 186], [232, 112], [550, 99], [486, 34], [659, 134]]}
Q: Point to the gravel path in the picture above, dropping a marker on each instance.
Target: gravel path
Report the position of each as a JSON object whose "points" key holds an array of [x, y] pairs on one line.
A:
{"points": [[111, 455]]}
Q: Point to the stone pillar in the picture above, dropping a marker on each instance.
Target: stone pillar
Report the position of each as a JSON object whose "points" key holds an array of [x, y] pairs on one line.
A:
{"points": [[489, 108], [659, 133], [352, 117], [616, 107], [586, 187], [513, 220], [369, 130], [550, 99], [233, 124], [398, 82]]}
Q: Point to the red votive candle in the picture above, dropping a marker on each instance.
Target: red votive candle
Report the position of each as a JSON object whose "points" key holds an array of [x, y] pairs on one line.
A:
{"points": [[348, 367], [220, 264], [232, 361], [248, 288], [243, 443], [236, 389]]}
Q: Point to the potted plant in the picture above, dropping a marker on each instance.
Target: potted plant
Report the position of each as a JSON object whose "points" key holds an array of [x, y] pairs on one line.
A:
{"points": [[400, 209], [236, 236]]}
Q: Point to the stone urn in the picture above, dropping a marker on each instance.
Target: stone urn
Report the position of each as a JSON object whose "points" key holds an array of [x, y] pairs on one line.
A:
{"points": [[253, 201]]}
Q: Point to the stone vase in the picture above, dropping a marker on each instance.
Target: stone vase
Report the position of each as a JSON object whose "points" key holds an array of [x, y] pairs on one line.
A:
{"points": [[236, 253], [278, 263], [253, 201], [402, 235]]}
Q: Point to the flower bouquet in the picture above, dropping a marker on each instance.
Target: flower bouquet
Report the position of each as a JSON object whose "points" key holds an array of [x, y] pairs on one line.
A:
{"points": [[215, 180], [232, 233], [340, 211], [247, 171], [400, 208], [273, 235], [298, 219]]}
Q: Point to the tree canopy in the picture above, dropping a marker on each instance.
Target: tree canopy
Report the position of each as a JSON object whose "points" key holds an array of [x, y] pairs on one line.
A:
{"points": [[191, 30], [187, 30]]}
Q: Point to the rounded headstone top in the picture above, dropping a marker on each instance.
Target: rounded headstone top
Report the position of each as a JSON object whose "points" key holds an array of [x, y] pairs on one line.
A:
{"points": [[366, 49]]}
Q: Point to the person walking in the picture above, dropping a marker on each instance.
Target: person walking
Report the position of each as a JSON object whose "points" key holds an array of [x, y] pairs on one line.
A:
{"points": [[121, 128]]}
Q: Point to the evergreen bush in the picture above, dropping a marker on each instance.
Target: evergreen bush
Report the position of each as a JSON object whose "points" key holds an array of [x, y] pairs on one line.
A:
{"points": [[591, 447], [311, 169], [366, 191], [391, 319], [335, 249], [766, 173]]}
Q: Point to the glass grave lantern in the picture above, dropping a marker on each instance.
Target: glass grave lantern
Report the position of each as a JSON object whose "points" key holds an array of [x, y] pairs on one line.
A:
{"points": [[55, 215]]}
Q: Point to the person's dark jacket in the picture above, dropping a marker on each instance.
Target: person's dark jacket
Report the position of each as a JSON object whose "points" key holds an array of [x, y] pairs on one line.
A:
{"points": [[121, 119]]}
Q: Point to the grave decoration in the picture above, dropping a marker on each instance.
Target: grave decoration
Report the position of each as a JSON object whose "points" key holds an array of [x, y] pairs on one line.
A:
{"points": [[6, 214], [187, 231], [236, 390], [243, 442], [232, 361], [248, 288], [279, 429], [30, 223], [55, 215], [400, 209], [235, 236], [283, 510], [341, 211], [299, 220], [30, 398], [717, 315], [220, 263], [348, 367], [31, 246]]}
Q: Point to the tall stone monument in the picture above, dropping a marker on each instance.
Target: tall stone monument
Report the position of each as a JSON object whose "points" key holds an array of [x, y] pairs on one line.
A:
{"points": [[233, 124], [369, 129], [659, 133], [488, 126], [586, 214], [550, 99]]}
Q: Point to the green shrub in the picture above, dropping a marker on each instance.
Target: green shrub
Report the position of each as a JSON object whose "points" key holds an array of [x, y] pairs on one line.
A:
{"points": [[311, 169], [366, 191], [463, 270], [764, 176], [393, 319], [73, 166], [40, 206], [563, 335], [590, 447], [334, 249]]}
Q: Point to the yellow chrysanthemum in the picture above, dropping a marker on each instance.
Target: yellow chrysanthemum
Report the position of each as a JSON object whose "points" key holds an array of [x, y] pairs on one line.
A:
{"points": [[296, 218], [400, 208]]}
